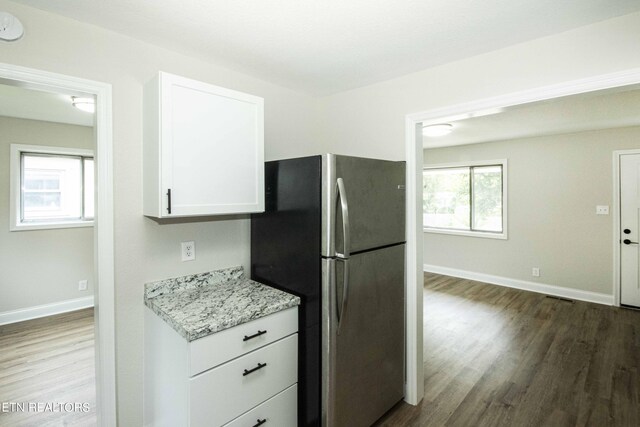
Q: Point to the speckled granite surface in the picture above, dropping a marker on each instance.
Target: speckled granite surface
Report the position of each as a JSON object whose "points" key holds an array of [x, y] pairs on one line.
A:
{"points": [[203, 304]]}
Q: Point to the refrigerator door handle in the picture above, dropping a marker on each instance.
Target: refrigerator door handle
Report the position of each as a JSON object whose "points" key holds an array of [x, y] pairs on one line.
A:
{"points": [[344, 207], [345, 292]]}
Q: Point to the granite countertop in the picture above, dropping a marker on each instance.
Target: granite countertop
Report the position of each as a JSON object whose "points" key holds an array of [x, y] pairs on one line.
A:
{"points": [[203, 304]]}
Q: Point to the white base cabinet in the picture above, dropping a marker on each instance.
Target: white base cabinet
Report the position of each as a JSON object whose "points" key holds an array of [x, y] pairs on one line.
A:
{"points": [[203, 149], [255, 385]]}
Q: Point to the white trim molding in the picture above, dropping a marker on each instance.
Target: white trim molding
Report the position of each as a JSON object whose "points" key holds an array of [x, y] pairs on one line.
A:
{"points": [[44, 310], [591, 84], [540, 288], [414, 358], [104, 220]]}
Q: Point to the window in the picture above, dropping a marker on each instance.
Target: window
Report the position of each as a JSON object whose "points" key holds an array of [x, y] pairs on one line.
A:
{"points": [[51, 187], [467, 199]]}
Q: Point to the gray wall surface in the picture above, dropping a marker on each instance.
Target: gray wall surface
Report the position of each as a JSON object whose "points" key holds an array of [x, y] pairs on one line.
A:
{"points": [[554, 185], [41, 266]]}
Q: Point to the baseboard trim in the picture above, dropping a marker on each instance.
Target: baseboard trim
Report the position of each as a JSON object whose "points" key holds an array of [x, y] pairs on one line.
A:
{"points": [[45, 310], [541, 288]]}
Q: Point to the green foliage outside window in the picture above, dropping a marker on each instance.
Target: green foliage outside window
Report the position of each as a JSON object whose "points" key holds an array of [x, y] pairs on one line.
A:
{"points": [[463, 198]]}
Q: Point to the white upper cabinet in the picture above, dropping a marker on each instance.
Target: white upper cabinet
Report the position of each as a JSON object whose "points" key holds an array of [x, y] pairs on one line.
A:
{"points": [[203, 149]]}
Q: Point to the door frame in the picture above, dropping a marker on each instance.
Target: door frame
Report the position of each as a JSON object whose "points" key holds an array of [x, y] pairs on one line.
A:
{"points": [[414, 156], [615, 211], [103, 230]]}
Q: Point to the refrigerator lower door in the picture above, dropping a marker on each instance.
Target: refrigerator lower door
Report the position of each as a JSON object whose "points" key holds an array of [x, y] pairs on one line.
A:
{"points": [[364, 347]]}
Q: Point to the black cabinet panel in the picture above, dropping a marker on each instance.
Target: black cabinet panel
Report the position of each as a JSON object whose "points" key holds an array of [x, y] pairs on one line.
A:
{"points": [[285, 254]]}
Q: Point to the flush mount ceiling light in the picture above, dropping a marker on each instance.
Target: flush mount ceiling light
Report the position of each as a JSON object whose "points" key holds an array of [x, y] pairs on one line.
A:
{"points": [[84, 104], [11, 28], [440, 129]]}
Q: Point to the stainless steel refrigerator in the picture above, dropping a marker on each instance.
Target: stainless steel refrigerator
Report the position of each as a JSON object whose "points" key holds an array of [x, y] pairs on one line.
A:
{"points": [[333, 233]]}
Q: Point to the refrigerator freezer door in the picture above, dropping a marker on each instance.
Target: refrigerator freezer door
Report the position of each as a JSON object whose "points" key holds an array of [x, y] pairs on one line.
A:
{"points": [[364, 371], [376, 193]]}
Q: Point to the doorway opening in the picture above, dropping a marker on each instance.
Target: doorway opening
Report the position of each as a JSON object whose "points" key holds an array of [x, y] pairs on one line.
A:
{"points": [[102, 259], [46, 256], [415, 162]]}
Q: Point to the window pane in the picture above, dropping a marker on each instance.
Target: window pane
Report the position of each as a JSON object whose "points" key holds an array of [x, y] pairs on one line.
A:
{"points": [[487, 198], [42, 200], [51, 187], [89, 209], [42, 182], [446, 198]]}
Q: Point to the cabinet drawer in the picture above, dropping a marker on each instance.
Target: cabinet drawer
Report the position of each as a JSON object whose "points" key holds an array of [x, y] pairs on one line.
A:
{"points": [[223, 393], [279, 411], [208, 352]]}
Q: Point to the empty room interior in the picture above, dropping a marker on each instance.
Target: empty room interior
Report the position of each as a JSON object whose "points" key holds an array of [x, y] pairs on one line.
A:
{"points": [[336, 214], [46, 326]]}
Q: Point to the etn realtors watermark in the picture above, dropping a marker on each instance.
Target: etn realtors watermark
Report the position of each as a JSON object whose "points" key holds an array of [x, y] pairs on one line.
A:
{"points": [[63, 407]]}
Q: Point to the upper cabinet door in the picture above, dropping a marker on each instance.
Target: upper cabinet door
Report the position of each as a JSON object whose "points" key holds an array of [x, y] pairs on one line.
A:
{"points": [[204, 149]]}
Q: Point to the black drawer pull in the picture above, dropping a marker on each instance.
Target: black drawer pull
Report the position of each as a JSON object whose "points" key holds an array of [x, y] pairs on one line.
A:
{"points": [[260, 422], [247, 338], [248, 371]]}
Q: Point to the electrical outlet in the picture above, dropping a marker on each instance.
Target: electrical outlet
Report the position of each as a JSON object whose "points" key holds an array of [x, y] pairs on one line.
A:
{"points": [[82, 285], [535, 272], [602, 210], [188, 251]]}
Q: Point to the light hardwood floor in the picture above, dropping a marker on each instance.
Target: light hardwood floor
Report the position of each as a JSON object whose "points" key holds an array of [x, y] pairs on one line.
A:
{"points": [[496, 356], [48, 360]]}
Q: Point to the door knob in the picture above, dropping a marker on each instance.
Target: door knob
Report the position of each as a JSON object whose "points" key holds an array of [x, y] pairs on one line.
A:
{"points": [[629, 242], [626, 231]]}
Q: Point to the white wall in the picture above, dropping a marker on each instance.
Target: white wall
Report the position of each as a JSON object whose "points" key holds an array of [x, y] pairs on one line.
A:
{"points": [[370, 120], [554, 185], [144, 249], [41, 266]]}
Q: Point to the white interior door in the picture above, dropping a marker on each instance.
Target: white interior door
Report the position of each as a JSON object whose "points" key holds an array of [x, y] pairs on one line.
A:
{"points": [[629, 229]]}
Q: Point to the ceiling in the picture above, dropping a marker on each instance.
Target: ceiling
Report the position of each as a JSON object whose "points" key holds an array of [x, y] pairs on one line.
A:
{"points": [[619, 107], [37, 105], [323, 47]]}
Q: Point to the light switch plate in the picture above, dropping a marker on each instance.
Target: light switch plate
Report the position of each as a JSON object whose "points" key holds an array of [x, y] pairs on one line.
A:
{"points": [[602, 210]]}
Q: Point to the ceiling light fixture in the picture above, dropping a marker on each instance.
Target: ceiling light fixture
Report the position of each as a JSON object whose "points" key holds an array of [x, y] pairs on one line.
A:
{"points": [[84, 104], [440, 129]]}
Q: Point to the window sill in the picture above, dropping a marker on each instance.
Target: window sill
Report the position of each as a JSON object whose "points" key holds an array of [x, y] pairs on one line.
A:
{"points": [[500, 236], [51, 225]]}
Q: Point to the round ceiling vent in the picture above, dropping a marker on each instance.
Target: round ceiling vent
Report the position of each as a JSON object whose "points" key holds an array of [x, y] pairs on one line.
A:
{"points": [[10, 27]]}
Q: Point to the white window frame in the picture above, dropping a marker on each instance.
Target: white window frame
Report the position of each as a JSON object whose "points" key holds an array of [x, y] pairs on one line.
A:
{"points": [[483, 234], [15, 170]]}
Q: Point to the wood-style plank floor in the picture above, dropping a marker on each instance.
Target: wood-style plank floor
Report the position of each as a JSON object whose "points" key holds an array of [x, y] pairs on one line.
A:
{"points": [[496, 356], [48, 360]]}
